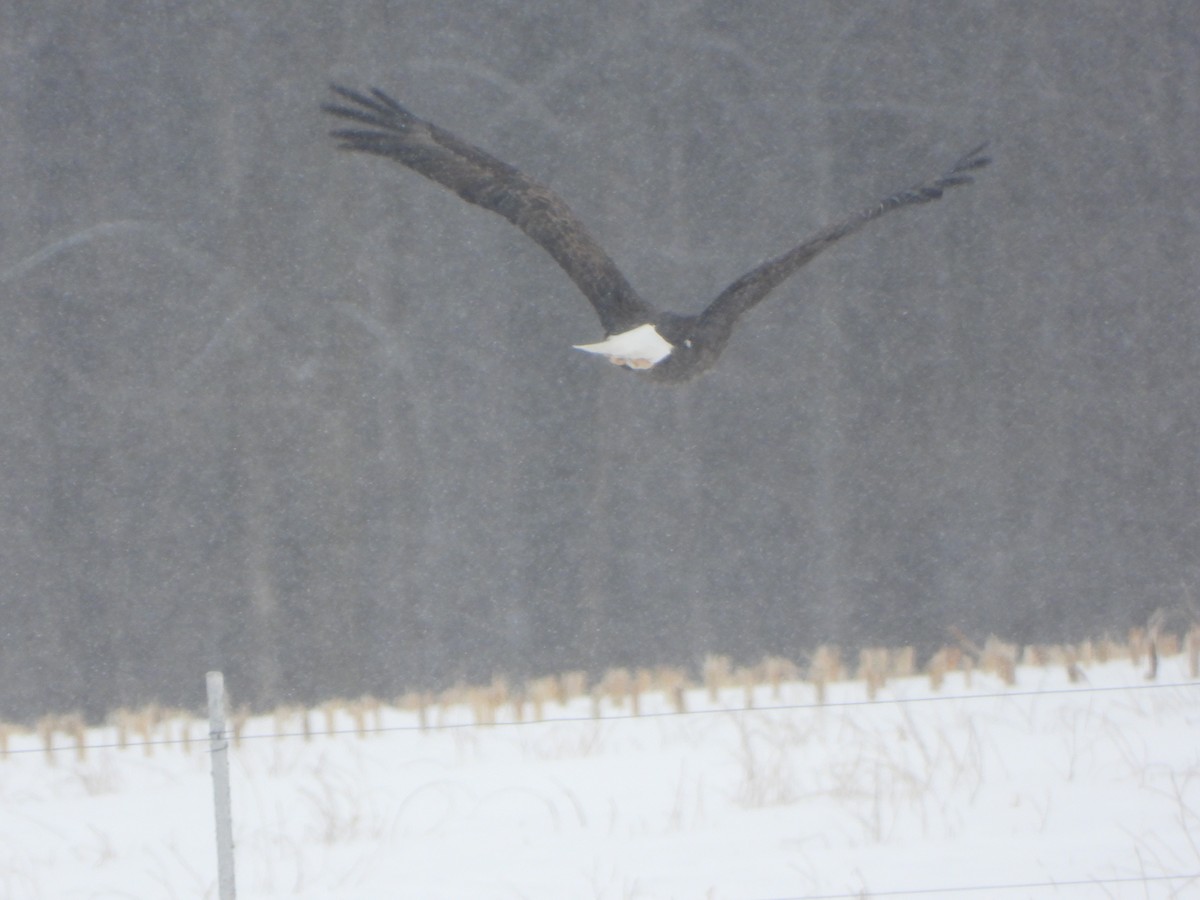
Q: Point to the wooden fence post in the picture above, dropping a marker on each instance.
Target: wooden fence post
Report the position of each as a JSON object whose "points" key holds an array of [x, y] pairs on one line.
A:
{"points": [[219, 747]]}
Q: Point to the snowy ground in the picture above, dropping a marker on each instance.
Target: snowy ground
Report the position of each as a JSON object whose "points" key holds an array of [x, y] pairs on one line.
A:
{"points": [[1094, 787]]}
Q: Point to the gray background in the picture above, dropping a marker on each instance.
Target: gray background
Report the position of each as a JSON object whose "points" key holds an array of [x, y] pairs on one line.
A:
{"points": [[311, 419]]}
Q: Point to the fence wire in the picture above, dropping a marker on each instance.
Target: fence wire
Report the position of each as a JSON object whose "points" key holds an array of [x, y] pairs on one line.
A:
{"points": [[984, 888], [429, 727], [238, 737]]}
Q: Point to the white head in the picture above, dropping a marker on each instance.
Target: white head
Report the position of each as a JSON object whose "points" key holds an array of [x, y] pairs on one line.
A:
{"points": [[639, 348]]}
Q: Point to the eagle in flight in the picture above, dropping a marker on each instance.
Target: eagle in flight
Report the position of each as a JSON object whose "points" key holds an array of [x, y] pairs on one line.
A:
{"points": [[662, 345]]}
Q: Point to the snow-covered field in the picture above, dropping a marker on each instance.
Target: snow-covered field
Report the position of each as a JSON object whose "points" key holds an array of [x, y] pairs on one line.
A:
{"points": [[1041, 789]]}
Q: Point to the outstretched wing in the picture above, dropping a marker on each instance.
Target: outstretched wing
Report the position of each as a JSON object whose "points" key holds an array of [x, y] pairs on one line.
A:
{"points": [[757, 283], [385, 128]]}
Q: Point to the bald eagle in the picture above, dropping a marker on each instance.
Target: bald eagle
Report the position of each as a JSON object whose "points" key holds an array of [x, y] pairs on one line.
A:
{"points": [[662, 345]]}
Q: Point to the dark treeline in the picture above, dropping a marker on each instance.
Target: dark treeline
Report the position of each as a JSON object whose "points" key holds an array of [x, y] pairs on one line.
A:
{"points": [[306, 417]]}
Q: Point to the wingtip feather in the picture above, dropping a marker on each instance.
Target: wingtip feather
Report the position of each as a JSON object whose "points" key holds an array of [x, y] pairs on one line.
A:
{"points": [[376, 104]]}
